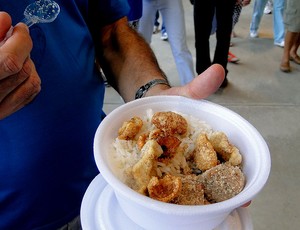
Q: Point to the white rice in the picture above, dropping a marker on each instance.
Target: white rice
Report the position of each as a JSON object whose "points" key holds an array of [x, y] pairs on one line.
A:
{"points": [[125, 153]]}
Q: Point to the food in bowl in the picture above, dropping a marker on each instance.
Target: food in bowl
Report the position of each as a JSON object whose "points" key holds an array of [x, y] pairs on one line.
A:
{"points": [[151, 214], [176, 158]]}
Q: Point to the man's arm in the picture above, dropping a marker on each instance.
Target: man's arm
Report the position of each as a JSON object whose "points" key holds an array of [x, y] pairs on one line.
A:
{"points": [[129, 63], [128, 60]]}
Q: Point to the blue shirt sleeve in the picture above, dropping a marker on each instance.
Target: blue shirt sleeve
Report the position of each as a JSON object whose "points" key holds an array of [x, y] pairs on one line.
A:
{"points": [[136, 10], [107, 11]]}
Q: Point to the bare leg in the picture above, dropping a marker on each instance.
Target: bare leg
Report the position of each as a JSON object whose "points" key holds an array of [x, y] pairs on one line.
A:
{"points": [[293, 52], [290, 40]]}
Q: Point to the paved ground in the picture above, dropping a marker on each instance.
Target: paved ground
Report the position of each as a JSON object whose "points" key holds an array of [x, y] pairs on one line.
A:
{"points": [[266, 97]]}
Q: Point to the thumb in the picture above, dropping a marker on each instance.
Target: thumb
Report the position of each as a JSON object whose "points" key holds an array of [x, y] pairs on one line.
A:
{"points": [[203, 85]]}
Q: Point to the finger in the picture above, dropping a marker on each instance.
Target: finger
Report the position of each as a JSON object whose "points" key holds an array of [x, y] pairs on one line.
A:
{"points": [[203, 85], [14, 51], [8, 84], [5, 22], [21, 96], [247, 204], [6, 109]]}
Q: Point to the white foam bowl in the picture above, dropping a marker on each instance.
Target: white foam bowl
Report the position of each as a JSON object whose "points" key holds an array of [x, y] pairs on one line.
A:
{"points": [[152, 214]]}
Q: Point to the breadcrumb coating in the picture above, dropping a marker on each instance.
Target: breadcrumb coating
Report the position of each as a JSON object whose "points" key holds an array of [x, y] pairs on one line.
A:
{"points": [[223, 182]]}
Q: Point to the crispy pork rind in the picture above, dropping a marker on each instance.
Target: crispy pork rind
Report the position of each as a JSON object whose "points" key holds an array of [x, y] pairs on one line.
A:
{"points": [[192, 191], [223, 182], [226, 150], [169, 122], [145, 168], [170, 171], [130, 129], [165, 189], [205, 157], [169, 145]]}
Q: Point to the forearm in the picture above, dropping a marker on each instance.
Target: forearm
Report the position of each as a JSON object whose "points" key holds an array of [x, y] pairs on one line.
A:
{"points": [[127, 60]]}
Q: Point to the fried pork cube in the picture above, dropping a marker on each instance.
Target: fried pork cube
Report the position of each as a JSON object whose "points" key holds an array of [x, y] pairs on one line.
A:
{"points": [[130, 129], [192, 191], [169, 122], [223, 182], [205, 157], [225, 149], [145, 168], [169, 145], [165, 189]]}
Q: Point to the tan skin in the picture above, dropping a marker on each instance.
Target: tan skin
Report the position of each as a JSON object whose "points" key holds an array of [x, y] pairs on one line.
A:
{"points": [[129, 61], [132, 64], [138, 65], [292, 42], [294, 49], [19, 81]]}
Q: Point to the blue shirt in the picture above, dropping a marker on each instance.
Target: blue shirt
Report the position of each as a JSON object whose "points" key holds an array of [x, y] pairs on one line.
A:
{"points": [[136, 9], [46, 148]]}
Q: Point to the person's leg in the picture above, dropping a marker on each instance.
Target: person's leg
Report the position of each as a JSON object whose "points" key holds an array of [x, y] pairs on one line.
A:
{"points": [[278, 24], [173, 17], [203, 16], [258, 10], [290, 41], [147, 20], [236, 16], [236, 13], [156, 22], [224, 13], [163, 28], [164, 35], [293, 52]]}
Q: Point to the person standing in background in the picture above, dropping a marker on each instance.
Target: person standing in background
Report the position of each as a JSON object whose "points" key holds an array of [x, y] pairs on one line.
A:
{"points": [[235, 18], [164, 34], [278, 25], [292, 37], [203, 17], [135, 13], [173, 17], [269, 7]]}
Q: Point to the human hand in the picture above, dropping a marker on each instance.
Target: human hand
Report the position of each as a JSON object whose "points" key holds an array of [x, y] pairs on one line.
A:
{"points": [[247, 204], [200, 87], [19, 81]]}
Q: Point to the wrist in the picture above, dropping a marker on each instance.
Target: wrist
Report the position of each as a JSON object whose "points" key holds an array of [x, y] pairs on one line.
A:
{"points": [[154, 85]]}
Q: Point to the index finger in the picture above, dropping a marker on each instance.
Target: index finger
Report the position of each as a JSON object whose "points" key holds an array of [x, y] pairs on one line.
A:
{"points": [[5, 22], [15, 50]]}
